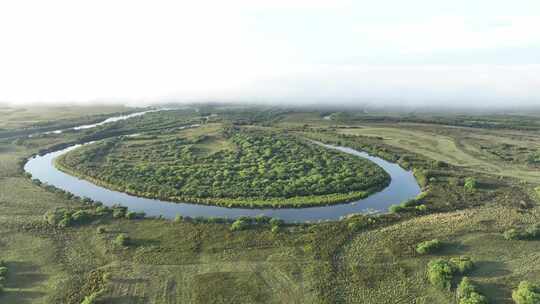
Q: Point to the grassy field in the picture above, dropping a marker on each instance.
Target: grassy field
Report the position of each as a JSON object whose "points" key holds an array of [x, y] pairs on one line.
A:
{"points": [[337, 262], [25, 116], [463, 147]]}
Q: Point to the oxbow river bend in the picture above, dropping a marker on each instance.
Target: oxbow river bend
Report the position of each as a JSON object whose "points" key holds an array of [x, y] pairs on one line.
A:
{"points": [[403, 186]]}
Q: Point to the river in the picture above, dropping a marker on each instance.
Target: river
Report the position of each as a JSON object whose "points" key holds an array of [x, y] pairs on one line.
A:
{"points": [[403, 186]]}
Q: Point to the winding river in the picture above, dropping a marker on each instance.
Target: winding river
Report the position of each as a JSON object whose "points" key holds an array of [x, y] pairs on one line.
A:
{"points": [[403, 186]]}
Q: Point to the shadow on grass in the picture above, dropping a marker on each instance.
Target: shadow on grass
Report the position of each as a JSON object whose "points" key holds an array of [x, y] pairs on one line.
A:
{"points": [[496, 293], [21, 297], [24, 275], [490, 269]]}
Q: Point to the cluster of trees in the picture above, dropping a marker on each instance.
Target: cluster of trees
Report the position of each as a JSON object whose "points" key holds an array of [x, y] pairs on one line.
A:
{"points": [[441, 272], [244, 222], [416, 204], [263, 166], [526, 293]]}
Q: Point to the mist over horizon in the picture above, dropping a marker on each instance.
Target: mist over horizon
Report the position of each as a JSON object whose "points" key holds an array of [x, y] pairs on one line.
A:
{"points": [[444, 55]]}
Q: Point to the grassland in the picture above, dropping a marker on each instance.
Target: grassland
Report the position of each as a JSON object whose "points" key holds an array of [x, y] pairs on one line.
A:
{"points": [[501, 153], [363, 259]]}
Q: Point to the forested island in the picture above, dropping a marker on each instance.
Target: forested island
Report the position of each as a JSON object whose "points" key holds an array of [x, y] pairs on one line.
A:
{"points": [[227, 166]]}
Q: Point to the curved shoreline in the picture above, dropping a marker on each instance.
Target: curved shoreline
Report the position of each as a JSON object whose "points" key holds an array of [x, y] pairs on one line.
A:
{"points": [[403, 186]]}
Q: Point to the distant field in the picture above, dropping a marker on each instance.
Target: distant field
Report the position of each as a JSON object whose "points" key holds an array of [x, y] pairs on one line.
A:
{"points": [[459, 146], [20, 117]]}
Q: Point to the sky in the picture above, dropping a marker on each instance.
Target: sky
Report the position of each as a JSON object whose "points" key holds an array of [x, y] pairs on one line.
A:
{"points": [[462, 52]]}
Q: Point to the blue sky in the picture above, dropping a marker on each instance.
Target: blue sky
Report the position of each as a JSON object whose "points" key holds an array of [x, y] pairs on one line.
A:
{"points": [[416, 52]]}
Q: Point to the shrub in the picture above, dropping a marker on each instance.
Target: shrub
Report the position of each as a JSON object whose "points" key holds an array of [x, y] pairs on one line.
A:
{"points": [[467, 293], [66, 221], [91, 299], [276, 222], [122, 239], [178, 218], [526, 293], [440, 273], [421, 208], [462, 264], [101, 230], [239, 224], [131, 215], [3, 271], [533, 231], [474, 298], [262, 219], [397, 208], [275, 229], [102, 210], [119, 212], [428, 246], [512, 234], [80, 216], [470, 184]]}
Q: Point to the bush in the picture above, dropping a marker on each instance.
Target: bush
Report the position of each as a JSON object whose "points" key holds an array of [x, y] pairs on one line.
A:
{"points": [[526, 293], [101, 230], [80, 216], [474, 298], [470, 184], [428, 246], [3, 271], [467, 293], [119, 212], [440, 273], [275, 229], [91, 299], [122, 239], [421, 208], [533, 232], [131, 215], [178, 218], [276, 222], [397, 208], [239, 224], [512, 234], [462, 264]]}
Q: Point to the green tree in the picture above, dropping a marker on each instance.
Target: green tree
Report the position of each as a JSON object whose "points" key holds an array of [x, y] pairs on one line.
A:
{"points": [[470, 184], [526, 293]]}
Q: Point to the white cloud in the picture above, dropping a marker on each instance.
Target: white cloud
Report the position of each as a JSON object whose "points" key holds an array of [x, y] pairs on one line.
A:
{"points": [[68, 50], [452, 33]]}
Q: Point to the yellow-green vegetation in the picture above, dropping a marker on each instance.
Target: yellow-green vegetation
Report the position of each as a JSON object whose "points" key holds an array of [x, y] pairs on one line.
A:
{"points": [[62, 249], [228, 167], [24, 120], [502, 152], [526, 293]]}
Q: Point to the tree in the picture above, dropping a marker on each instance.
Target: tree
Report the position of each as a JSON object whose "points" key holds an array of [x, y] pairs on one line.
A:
{"points": [[440, 273], [428, 246], [239, 224], [526, 293], [470, 184], [122, 239]]}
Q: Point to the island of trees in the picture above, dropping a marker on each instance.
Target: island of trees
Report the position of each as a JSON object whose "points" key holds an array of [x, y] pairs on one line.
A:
{"points": [[226, 166]]}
